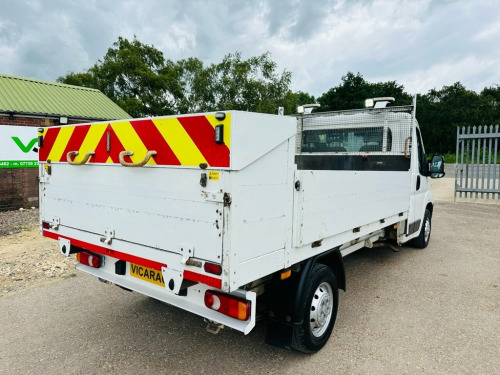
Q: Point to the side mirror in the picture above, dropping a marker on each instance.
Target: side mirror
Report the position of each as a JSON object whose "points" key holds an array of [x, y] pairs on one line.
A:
{"points": [[436, 167]]}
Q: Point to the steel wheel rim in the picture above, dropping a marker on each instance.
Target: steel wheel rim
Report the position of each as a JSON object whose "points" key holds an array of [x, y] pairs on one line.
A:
{"points": [[321, 309], [427, 230]]}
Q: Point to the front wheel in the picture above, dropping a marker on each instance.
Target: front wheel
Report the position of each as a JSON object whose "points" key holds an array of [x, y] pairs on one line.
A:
{"points": [[424, 236], [318, 310]]}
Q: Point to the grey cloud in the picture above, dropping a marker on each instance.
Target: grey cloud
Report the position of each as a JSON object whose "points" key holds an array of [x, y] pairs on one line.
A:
{"points": [[318, 41], [297, 20], [309, 19]]}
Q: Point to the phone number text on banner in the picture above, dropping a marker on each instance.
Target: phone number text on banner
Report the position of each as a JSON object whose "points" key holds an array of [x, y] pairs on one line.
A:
{"points": [[18, 164]]}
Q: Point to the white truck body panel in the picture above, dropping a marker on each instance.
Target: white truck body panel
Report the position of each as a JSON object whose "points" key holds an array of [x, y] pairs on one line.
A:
{"points": [[144, 209], [331, 203], [260, 215], [255, 135]]}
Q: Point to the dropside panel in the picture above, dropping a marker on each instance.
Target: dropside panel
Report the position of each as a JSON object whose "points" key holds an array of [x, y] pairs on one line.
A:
{"points": [[261, 214], [333, 202], [162, 208]]}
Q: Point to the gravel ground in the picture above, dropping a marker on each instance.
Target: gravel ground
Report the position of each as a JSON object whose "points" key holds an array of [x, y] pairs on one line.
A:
{"points": [[16, 221], [26, 258]]}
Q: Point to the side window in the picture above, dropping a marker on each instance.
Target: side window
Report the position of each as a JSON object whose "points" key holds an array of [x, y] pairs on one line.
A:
{"points": [[422, 160]]}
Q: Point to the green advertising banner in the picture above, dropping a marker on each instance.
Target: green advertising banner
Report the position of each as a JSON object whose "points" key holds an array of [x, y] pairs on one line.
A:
{"points": [[18, 147]]}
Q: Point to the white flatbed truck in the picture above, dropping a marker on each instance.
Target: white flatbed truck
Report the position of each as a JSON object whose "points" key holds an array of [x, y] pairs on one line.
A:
{"points": [[208, 212]]}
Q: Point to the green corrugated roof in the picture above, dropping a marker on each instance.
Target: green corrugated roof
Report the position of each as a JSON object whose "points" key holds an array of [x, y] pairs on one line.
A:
{"points": [[30, 96]]}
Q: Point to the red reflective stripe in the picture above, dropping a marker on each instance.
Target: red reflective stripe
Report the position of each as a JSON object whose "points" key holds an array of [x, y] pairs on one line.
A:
{"points": [[75, 140], [203, 135], [48, 142], [101, 150], [153, 140], [189, 275], [204, 279], [105, 251]]}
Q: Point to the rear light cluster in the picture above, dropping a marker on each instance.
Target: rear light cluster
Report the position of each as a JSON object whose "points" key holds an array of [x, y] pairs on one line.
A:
{"points": [[216, 269], [89, 259], [227, 304]]}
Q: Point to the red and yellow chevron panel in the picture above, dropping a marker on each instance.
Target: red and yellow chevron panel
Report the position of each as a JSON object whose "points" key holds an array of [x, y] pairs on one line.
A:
{"points": [[179, 141]]}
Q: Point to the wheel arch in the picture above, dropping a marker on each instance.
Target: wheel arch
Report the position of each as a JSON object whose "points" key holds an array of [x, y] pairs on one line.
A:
{"points": [[286, 297], [331, 258], [430, 207]]}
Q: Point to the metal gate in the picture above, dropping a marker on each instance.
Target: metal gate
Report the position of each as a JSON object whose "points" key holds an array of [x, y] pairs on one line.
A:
{"points": [[477, 173]]}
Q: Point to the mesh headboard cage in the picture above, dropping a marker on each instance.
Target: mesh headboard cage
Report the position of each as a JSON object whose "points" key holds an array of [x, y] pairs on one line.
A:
{"points": [[374, 130]]}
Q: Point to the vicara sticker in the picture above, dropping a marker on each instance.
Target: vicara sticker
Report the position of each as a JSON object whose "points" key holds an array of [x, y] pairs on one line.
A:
{"points": [[147, 274]]}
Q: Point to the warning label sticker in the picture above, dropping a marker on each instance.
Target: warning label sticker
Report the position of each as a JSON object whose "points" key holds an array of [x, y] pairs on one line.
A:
{"points": [[214, 176]]}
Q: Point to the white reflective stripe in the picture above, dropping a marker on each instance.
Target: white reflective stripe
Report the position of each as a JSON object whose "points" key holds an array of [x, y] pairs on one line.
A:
{"points": [[216, 304]]}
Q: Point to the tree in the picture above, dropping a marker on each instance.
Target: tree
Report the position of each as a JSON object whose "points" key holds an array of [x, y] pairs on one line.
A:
{"points": [[440, 112], [354, 89], [134, 75], [139, 79], [197, 86], [249, 85], [235, 83], [294, 99], [492, 96]]}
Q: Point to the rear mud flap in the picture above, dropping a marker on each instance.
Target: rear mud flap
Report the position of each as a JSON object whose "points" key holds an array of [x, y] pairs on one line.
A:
{"points": [[279, 334]]}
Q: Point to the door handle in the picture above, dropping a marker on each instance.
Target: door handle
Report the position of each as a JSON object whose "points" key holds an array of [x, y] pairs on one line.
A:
{"points": [[418, 183]]}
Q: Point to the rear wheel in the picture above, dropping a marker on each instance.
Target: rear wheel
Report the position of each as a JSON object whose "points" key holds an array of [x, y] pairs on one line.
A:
{"points": [[423, 238], [318, 310]]}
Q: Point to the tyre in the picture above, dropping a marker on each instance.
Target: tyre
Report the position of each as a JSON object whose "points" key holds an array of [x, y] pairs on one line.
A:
{"points": [[424, 236], [318, 310]]}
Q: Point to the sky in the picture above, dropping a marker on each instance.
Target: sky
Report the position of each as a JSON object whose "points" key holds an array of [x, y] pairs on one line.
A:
{"points": [[420, 44]]}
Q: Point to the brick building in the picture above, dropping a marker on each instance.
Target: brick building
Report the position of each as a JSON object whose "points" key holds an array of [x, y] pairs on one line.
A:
{"points": [[27, 102]]}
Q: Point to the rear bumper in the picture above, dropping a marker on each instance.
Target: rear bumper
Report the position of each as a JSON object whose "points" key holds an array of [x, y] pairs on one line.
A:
{"points": [[193, 301], [192, 298]]}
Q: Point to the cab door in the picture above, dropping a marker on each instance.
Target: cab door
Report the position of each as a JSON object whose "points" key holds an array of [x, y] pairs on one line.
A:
{"points": [[420, 186]]}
